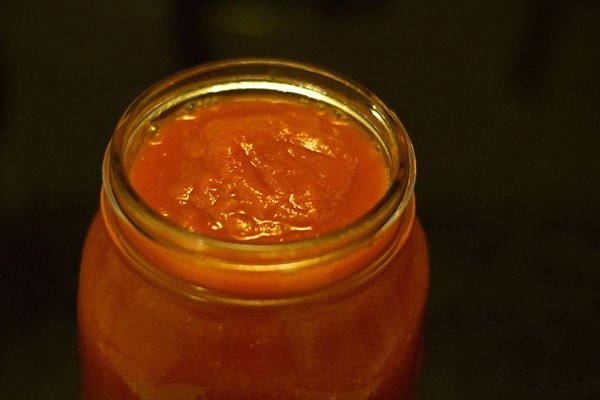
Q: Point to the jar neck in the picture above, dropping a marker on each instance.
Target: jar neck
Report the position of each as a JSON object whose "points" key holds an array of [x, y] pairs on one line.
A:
{"points": [[201, 267]]}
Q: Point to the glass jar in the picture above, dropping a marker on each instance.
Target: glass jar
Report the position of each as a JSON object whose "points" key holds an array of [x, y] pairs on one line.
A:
{"points": [[165, 313]]}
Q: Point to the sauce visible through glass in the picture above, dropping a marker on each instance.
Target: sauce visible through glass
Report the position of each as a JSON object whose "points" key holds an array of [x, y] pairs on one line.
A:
{"points": [[164, 315]]}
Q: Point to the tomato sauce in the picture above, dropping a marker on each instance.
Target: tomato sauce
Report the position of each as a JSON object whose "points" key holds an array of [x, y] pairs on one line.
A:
{"points": [[231, 265], [259, 170]]}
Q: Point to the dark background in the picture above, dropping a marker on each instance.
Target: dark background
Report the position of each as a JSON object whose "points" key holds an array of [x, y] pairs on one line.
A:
{"points": [[500, 98]]}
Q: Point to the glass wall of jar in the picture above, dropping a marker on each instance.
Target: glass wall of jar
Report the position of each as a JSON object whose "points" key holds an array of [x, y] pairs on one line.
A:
{"points": [[165, 313]]}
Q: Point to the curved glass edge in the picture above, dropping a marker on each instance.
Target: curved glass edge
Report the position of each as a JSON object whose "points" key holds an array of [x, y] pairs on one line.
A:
{"points": [[275, 77]]}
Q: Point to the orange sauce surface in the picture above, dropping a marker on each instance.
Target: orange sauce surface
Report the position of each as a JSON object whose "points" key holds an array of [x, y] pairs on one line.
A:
{"points": [[259, 170]]}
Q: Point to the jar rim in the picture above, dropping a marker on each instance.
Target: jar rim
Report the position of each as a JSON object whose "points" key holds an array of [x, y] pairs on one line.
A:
{"points": [[300, 79]]}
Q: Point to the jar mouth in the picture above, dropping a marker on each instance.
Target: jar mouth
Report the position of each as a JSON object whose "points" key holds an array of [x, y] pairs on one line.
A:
{"points": [[268, 76]]}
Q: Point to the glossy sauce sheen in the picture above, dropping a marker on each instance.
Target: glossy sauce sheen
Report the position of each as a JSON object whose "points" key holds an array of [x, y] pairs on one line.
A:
{"points": [[259, 170]]}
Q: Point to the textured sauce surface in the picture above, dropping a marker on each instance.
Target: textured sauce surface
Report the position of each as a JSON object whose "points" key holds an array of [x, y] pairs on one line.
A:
{"points": [[259, 170]]}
